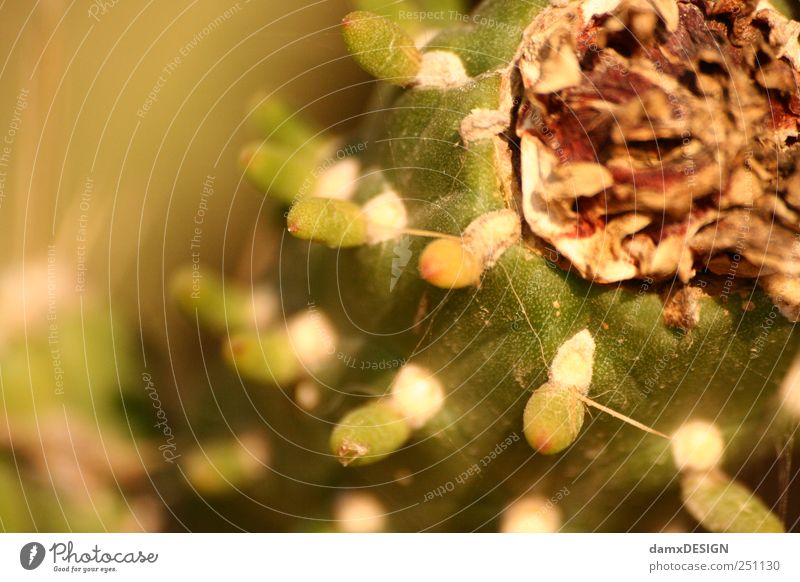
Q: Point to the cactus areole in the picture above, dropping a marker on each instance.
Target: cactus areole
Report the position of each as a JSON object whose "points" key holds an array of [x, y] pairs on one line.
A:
{"points": [[660, 137]]}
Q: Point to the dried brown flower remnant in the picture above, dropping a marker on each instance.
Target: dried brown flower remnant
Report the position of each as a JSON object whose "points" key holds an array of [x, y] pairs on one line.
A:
{"points": [[661, 136]]}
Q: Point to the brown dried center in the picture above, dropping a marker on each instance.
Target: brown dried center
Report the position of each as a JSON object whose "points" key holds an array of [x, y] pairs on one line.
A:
{"points": [[661, 138]]}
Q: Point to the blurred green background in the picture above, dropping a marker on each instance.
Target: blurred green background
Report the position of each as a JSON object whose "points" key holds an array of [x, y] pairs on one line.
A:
{"points": [[113, 117]]}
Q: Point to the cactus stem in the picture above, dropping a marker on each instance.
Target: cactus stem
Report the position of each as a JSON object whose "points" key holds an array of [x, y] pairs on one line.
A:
{"points": [[276, 171], [554, 414], [417, 395], [784, 290], [220, 307], [339, 223]]}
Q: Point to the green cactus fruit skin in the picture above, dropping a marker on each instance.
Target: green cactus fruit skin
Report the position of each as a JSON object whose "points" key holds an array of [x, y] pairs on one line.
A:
{"points": [[490, 345], [724, 506], [368, 434], [381, 47], [267, 357], [553, 418], [335, 223]]}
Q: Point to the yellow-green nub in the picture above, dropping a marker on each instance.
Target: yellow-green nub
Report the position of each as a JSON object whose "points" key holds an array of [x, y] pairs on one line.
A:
{"points": [[266, 358], [381, 47], [335, 223], [368, 434], [553, 418], [721, 505]]}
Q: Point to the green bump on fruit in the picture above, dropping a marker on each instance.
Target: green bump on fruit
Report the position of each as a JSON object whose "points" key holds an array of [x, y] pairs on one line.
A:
{"points": [[267, 357], [381, 47], [279, 122], [368, 434], [335, 223], [284, 175], [553, 418], [724, 506]]}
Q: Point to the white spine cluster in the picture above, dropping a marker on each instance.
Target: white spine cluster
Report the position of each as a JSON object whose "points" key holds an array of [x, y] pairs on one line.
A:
{"points": [[386, 216], [572, 366], [442, 69], [417, 395]]}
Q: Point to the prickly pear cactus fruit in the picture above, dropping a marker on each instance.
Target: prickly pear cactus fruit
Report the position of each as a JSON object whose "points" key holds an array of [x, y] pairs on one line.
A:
{"points": [[552, 282]]}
